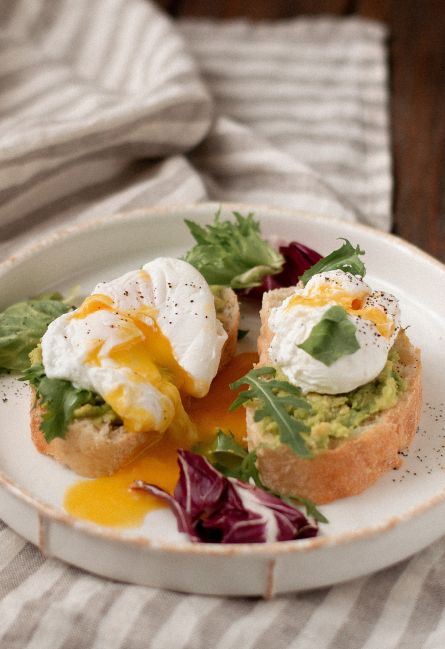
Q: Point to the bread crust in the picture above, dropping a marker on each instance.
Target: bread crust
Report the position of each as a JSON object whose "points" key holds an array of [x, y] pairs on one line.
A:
{"points": [[89, 448], [93, 449], [229, 318], [354, 464]]}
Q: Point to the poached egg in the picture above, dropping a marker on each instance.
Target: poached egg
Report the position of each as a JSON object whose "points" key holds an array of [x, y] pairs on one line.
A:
{"points": [[141, 341], [375, 315]]}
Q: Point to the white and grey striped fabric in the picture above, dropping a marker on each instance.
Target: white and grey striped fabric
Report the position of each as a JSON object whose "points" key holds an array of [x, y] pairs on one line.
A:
{"points": [[106, 105]]}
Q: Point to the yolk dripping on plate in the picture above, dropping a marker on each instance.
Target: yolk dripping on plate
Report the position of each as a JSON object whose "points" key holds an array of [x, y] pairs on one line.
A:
{"points": [[109, 501]]}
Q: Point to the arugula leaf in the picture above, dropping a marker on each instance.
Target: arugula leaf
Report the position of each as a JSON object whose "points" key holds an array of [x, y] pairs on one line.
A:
{"points": [[225, 443], [33, 374], [232, 460], [233, 253], [345, 258], [21, 327], [242, 333], [310, 507], [276, 399], [332, 337], [59, 398]]}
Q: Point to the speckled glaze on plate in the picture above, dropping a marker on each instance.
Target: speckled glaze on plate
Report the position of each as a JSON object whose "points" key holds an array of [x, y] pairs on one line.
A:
{"points": [[398, 516]]}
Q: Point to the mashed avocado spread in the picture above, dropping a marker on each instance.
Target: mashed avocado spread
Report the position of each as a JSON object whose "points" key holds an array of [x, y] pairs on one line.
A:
{"points": [[96, 409], [102, 413], [335, 417], [218, 293]]}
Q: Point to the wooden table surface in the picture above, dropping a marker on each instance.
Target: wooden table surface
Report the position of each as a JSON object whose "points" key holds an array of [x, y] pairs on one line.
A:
{"points": [[417, 89]]}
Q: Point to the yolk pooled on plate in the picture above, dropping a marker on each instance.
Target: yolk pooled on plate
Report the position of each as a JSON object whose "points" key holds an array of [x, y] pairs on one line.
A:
{"points": [[109, 501], [212, 411]]}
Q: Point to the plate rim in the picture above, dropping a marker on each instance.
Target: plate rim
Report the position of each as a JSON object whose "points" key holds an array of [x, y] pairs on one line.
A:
{"points": [[49, 511], [63, 233]]}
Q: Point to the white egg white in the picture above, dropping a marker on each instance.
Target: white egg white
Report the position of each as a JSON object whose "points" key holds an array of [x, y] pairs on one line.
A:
{"points": [[168, 294], [292, 324]]}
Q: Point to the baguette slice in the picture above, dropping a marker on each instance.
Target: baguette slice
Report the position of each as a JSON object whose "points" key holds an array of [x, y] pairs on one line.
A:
{"points": [[354, 464], [89, 448], [229, 316], [93, 449]]}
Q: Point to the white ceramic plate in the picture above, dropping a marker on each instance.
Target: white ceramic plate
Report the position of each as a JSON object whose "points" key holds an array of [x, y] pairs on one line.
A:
{"points": [[401, 514]]}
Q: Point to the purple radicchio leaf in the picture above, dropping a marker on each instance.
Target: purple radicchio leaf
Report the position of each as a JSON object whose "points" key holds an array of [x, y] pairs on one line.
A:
{"points": [[200, 486], [233, 522], [298, 258], [251, 515], [182, 518], [215, 509], [291, 522]]}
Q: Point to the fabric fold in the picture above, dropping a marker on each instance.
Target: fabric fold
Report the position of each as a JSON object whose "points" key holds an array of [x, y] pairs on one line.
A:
{"points": [[94, 94], [103, 100], [316, 91]]}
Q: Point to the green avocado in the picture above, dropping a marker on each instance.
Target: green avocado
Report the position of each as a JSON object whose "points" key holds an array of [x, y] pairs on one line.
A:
{"points": [[218, 292], [102, 412], [335, 417]]}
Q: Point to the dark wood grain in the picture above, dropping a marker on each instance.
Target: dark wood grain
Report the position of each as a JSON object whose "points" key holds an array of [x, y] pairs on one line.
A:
{"points": [[418, 123], [257, 10], [417, 92]]}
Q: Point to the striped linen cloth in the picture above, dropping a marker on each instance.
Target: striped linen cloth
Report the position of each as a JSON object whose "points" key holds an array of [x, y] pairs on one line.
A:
{"points": [[106, 105]]}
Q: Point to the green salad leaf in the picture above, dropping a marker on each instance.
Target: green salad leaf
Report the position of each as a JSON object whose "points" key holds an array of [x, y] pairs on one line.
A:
{"points": [[332, 337], [230, 458], [233, 253], [311, 508], [21, 327], [345, 258], [234, 461], [62, 402], [277, 399], [59, 398]]}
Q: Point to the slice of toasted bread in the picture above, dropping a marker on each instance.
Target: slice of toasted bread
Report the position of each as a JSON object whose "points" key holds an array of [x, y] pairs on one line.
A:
{"points": [[229, 316], [90, 448], [353, 464], [95, 449]]}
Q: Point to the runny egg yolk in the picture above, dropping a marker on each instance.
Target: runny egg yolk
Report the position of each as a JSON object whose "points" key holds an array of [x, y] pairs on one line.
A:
{"points": [[353, 304], [212, 411], [109, 501], [147, 356]]}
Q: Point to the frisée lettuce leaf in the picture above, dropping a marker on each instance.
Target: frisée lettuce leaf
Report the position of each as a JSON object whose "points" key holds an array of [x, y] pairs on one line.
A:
{"points": [[232, 253], [297, 259]]}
